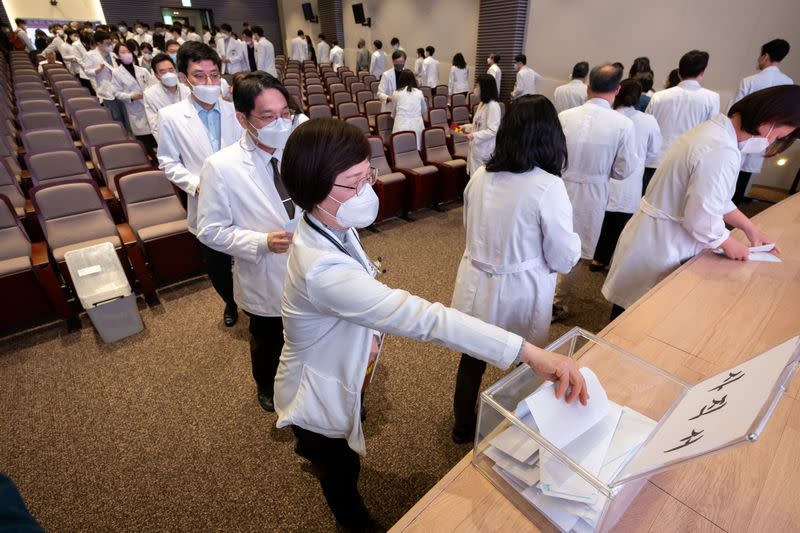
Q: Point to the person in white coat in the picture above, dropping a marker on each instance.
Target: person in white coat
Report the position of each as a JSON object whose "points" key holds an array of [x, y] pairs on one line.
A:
{"points": [[419, 71], [507, 275], [688, 204], [527, 78], [191, 131], [769, 75], [408, 106], [168, 91], [624, 195], [494, 69], [99, 66], [572, 94], [245, 212], [299, 47], [130, 81], [231, 52], [337, 56], [379, 61], [483, 130], [430, 68], [388, 81], [79, 43], [458, 82], [686, 105], [333, 310], [323, 50], [265, 52]]}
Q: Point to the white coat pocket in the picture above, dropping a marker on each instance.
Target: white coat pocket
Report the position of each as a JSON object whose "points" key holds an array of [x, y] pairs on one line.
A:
{"points": [[327, 405]]}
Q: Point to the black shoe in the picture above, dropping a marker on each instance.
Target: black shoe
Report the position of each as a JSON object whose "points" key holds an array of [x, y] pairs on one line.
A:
{"points": [[265, 399], [231, 315], [596, 267], [560, 313], [461, 436]]}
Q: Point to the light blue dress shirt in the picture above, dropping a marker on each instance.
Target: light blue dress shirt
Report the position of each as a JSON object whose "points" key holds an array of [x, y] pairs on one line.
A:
{"points": [[211, 120]]}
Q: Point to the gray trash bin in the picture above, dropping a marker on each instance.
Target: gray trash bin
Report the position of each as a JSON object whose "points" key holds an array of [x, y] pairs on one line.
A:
{"points": [[104, 291]]}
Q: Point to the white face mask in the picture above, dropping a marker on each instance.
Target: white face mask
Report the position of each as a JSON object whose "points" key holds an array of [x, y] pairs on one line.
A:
{"points": [[275, 134], [170, 79], [126, 58], [109, 49], [139, 31], [123, 29], [358, 211], [147, 56], [755, 145], [208, 94]]}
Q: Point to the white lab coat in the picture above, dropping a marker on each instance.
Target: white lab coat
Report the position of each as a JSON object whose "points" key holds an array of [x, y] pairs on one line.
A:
{"points": [[679, 109], [265, 56], [681, 213], [299, 49], [407, 110], [235, 51], [484, 132], [323, 52], [207, 37], [496, 73], [430, 72], [601, 145], [157, 97], [238, 206], [331, 307], [337, 57], [386, 88], [379, 63], [144, 38], [569, 95], [124, 86], [184, 146], [101, 81], [194, 36], [507, 275], [458, 81], [419, 72], [81, 59], [769, 77], [624, 195], [526, 82]]}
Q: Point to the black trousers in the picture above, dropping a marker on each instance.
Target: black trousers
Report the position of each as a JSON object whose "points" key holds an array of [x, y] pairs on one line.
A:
{"points": [[648, 175], [150, 145], [741, 186], [337, 467], [266, 343], [88, 85], [613, 224], [219, 268], [465, 398]]}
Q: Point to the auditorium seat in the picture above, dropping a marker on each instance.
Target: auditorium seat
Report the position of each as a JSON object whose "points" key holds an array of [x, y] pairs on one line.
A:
{"points": [[40, 120], [118, 157], [319, 111], [371, 110], [390, 187], [47, 139], [10, 188], [461, 115], [422, 179], [384, 123], [452, 172], [361, 97], [317, 99], [347, 109], [37, 106], [361, 122], [437, 118]]}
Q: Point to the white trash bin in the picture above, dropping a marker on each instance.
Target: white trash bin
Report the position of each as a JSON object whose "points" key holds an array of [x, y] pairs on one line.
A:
{"points": [[104, 291]]}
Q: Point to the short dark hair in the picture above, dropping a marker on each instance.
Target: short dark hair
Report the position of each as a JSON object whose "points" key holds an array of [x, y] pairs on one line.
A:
{"points": [[421, 52], [495, 57], [776, 49], [692, 64], [397, 54], [170, 43], [159, 25], [394, 41], [605, 78], [226, 27], [619, 65], [100, 36], [646, 80], [159, 58], [193, 52], [488, 87], [19, 21], [146, 45], [640, 64], [406, 80], [377, 44], [779, 105], [580, 70], [132, 45], [430, 49], [673, 78], [247, 88], [307, 168], [335, 42], [321, 36], [529, 136], [520, 58], [459, 61], [247, 32], [300, 33], [630, 90], [258, 30]]}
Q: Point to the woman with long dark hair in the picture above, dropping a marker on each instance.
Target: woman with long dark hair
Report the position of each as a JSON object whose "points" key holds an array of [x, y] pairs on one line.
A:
{"points": [[129, 81], [482, 131], [458, 82], [408, 106]]}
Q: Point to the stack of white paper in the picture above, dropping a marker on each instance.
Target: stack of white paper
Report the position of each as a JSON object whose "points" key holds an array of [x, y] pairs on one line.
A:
{"points": [[600, 437]]}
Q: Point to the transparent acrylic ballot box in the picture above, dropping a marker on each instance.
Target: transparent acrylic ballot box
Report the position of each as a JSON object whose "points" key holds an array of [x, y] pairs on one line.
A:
{"points": [[643, 420]]}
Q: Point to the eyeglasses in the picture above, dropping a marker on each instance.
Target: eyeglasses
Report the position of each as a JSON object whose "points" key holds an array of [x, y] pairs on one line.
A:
{"points": [[269, 119], [367, 181], [202, 77]]}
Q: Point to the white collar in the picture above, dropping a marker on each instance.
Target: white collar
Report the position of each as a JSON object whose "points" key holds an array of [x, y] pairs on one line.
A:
{"points": [[602, 102]]}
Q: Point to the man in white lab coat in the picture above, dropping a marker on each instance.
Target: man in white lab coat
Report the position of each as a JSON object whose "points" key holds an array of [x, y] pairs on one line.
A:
{"points": [[769, 75], [380, 61], [337, 56], [140, 35], [246, 212], [189, 132], [430, 68], [323, 50], [231, 52], [494, 69], [572, 94], [99, 66], [686, 105], [388, 83], [527, 78], [299, 47], [265, 52], [168, 91]]}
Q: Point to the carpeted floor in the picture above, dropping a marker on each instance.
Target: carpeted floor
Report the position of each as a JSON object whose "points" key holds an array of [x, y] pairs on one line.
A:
{"points": [[162, 431]]}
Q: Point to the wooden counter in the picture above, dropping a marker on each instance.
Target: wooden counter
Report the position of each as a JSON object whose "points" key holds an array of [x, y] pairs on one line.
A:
{"points": [[708, 315]]}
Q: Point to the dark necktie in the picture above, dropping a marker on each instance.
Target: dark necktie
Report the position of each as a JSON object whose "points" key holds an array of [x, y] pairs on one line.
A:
{"points": [[287, 201]]}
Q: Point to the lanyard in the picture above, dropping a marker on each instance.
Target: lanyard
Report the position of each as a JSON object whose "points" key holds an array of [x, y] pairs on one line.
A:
{"points": [[328, 236]]}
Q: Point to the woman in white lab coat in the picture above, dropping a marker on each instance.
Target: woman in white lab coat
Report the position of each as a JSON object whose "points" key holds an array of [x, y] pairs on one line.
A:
{"points": [[332, 309], [129, 81], [458, 82], [242, 212], [624, 195], [688, 203], [408, 105], [483, 130], [518, 221]]}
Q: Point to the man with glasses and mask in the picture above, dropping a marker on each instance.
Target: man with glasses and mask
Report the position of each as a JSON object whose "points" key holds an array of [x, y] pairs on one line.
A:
{"points": [[388, 83], [188, 133], [245, 211]]}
